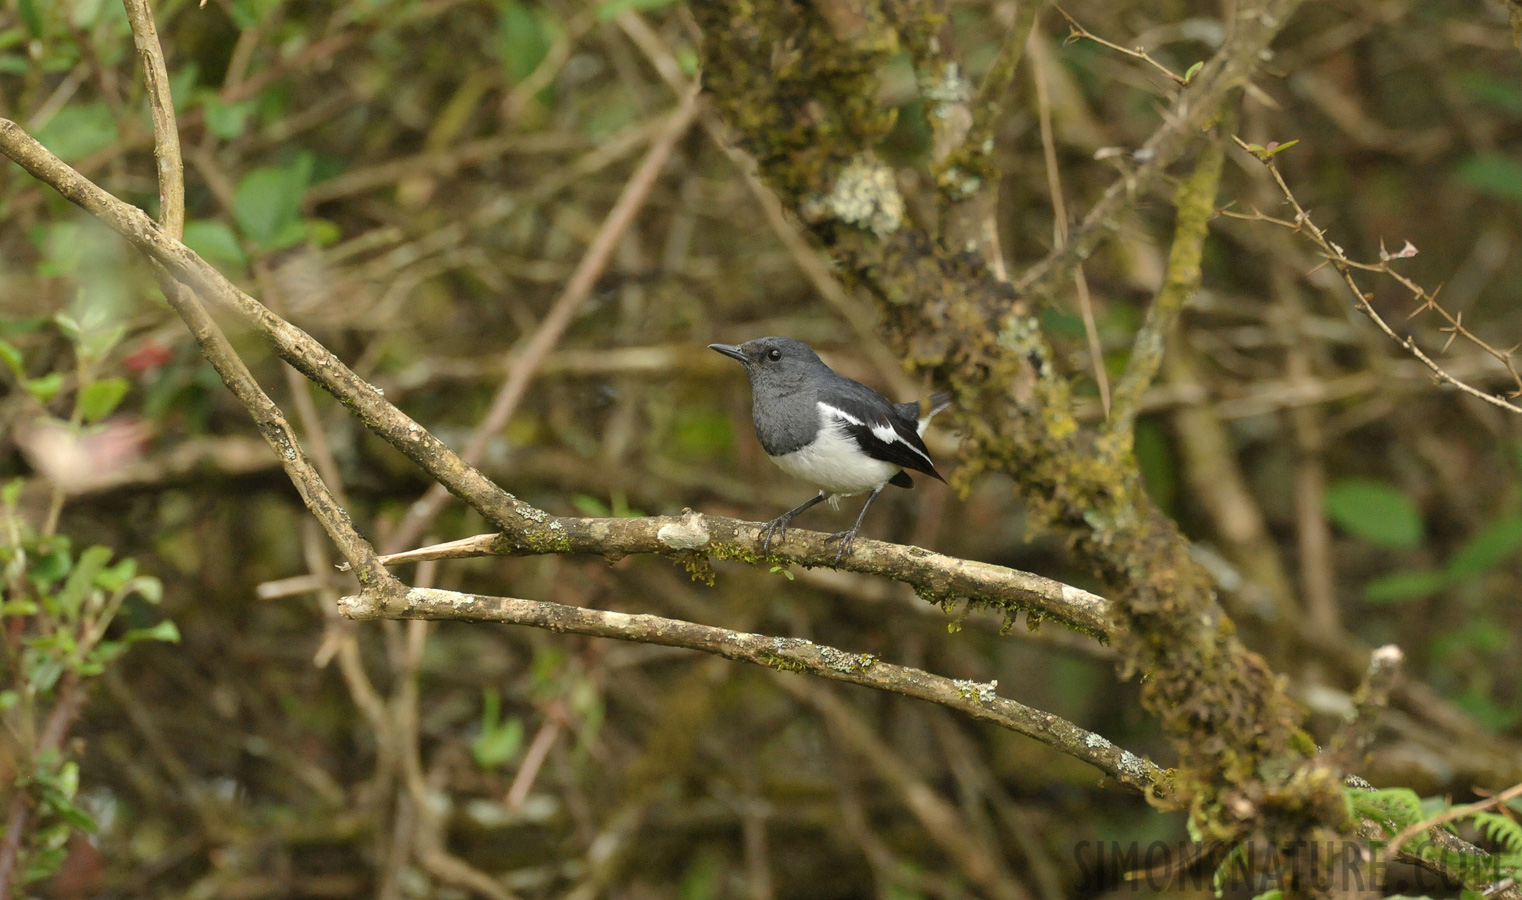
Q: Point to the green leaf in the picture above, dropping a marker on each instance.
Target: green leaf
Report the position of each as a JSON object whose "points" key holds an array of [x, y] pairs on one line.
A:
{"points": [[113, 578], [227, 120], [18, 608], [32, 18], [78, 130], [82, 579], [149, 588], [1399, 587], [590, 506], [1376, 512], [701, 433], [497, 744], [52, 563], [1498, 175], [99, 399], [214, 242], [9, 699], [1491, 546], [524, 36], [164, 631], [74, 816], [12, 359], [45, 387], [609, 10], [267, 202], [10, 495], [1193, 71]]}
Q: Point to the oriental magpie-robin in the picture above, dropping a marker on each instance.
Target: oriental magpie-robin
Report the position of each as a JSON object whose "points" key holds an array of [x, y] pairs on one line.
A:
{"points": [[835, 434]]}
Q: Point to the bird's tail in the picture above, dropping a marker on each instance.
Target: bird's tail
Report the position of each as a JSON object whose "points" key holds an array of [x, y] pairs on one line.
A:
{"points": [[938, 401]]}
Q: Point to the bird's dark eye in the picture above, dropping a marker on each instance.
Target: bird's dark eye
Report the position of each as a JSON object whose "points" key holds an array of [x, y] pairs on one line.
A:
{"points": [[774, 354]]}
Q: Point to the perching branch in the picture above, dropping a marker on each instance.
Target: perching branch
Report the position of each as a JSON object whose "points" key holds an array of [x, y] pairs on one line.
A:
{"points": [[694, 537], [787, 654]]}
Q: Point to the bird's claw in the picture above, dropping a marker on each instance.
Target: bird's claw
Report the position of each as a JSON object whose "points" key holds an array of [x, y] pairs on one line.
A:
{"points": [[776, 528], [847, 541]]}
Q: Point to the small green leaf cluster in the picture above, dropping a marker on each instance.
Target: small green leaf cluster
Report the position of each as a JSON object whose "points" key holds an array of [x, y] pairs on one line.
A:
{"points": [[56, 612]]}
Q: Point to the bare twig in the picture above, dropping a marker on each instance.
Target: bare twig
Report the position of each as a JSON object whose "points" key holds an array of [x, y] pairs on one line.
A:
{"points": [[527, 361], [978, 859], [1333, 254], [1039, 62], [788, 654], [1079, 33], [1249, 34]]}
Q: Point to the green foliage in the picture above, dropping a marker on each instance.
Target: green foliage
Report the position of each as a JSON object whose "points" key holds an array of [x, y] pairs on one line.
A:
{"points": [[1494, 174], [524, 36], [55, 617], [1155, 459], [78, 130], [215, 242], [1395, 810], [267, 203], [701, 433], [1492, 545], [499, 741], [1374, 511], [608, 10]]}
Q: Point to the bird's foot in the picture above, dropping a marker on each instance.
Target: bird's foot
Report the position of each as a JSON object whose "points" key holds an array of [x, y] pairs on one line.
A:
{"points": [[847, 541], [776, 528]]}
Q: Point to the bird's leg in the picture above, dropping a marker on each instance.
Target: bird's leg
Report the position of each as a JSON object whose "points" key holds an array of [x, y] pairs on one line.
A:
{"points": [[848, 538], [778, 527]]}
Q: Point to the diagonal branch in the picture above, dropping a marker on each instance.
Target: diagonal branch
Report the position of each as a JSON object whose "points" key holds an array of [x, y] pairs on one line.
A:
{"points": [[1195, 200], [1249, 37], [786, 654]]}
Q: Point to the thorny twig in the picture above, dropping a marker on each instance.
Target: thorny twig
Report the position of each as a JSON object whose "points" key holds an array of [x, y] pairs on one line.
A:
{"points": [[1078, 33], [1333, 254]]}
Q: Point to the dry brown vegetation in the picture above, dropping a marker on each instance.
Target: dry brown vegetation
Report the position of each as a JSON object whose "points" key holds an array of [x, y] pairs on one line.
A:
{"points": [[1218, 424]]}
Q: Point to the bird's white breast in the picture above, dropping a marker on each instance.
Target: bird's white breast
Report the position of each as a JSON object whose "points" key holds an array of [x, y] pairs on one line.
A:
{"points": [[834, 462]]}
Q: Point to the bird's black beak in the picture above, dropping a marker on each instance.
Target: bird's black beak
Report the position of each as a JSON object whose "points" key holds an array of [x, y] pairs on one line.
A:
{"points": [[730, 350]]}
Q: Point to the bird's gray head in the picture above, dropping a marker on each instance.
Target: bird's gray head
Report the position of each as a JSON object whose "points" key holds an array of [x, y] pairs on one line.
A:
{"points": [[775, 364]]}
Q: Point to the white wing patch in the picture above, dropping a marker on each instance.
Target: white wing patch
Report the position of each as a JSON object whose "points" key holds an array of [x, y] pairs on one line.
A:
{"points": [[834, 462], [883, 431]]}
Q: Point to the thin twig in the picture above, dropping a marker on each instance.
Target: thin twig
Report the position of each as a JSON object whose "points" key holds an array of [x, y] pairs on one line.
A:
{"points": [[1248, 36], [1352, 741], [1060, 222], [1447, 815], [526, 362], [1333, 254], [1079, 33]]}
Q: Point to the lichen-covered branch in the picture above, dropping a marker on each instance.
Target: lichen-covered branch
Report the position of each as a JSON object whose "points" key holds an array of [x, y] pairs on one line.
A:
{"points": [[1195, 201], [980, 701], [1243, 752], [694, 538]]}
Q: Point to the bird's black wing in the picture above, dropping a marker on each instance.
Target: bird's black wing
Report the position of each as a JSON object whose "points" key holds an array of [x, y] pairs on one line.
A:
{"points": [[879, 427]]}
